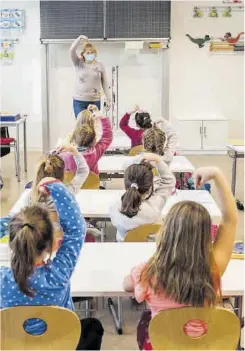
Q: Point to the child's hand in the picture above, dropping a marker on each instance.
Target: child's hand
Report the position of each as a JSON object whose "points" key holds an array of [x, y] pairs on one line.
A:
{"points": [[98, 116], [136, 108], [92, 108], [203, 175], [160, 120], [41, 185], [68, 148], [149, 157]]}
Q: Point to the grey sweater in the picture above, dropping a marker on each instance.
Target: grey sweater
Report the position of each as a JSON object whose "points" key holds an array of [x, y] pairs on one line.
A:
{"points": [[89, 77], [151, 209]]}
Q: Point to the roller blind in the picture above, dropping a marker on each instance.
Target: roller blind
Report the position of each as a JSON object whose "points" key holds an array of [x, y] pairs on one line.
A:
{"points": [[138, 19], [69, 19]]}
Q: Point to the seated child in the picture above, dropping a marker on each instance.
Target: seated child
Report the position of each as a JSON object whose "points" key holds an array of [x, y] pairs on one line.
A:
{"points": [[143, 122], [84, 137], [34, 279], [186, 269], [145, 195]]}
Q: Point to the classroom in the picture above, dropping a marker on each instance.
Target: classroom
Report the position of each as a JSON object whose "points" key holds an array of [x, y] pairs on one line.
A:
{"points": [[122, 175]]}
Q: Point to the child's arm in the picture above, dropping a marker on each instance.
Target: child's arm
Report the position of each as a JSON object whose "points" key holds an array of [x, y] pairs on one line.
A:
{"points": [[73, 48], [74, 228], [132, 283], [82, 168], [223, 245], [165, 182], [106, 138], [172, 141], [130, 132]]}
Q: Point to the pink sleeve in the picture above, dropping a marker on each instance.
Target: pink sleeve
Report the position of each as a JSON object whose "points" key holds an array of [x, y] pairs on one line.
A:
{"points": [[106, 138], [139, 290], [131, 132]]}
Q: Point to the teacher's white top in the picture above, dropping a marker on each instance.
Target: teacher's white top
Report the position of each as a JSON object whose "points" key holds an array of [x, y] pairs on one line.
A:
{"points": [[102, 267], [117, 163]]}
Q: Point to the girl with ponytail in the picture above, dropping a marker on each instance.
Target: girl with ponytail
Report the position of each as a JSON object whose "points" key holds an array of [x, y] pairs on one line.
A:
{"points": [[145, 195], [143, 122], [162, 142], [34, 279]]}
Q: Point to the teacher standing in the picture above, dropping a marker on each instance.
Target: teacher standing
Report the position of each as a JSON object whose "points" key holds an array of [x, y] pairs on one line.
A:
{"points": [[90, 77]]}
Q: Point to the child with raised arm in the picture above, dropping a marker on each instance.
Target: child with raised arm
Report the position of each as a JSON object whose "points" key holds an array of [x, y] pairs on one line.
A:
{"points": [[145, 195], [186, 268], [34, 279]]}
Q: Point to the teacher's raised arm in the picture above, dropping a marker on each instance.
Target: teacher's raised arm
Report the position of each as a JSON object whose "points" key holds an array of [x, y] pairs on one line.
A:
{"points": [[90, 77]]}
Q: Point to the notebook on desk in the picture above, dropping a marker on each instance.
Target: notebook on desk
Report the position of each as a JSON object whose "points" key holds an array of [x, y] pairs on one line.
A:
{"points": [[238, 250], [7, 117]]}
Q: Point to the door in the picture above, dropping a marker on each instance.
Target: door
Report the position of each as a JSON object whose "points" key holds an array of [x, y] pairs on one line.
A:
{"points": [[189, 134], [215, 135]]}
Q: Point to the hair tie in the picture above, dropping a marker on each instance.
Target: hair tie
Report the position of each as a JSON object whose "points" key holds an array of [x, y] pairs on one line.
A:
{"points": [[134, 185]]}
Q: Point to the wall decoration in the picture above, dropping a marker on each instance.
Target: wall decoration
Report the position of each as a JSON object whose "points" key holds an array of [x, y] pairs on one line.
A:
{"points": [[228, 37], [12, 19], [227, 12], [213, 13], [228, 44], [197, 13], [199, 41], [6, 51]]}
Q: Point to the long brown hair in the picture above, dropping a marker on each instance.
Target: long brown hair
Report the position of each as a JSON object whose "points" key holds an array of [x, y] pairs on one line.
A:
{"points": [[84, 135], [30, 233], [51, 165], [154, 140], [138, 181], [183, 265]]}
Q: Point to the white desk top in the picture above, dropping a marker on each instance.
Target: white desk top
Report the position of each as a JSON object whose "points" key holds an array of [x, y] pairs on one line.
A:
{"points": [[96, 203], [237, 148], [116, 164], [13, 123], [102, 267], [120, 142]]}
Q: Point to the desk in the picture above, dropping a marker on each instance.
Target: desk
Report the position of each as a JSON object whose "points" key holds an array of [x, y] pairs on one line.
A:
{"points": [[17, 124], [120, 142], [235, 152], [96, 203], [101, 269], [116, 164]]}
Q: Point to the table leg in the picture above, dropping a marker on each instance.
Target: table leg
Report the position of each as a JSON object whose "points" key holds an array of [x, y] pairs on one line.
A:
{"points": [[238, 312], [25, 151], [18, 150], [233, 181], [116, 318]]}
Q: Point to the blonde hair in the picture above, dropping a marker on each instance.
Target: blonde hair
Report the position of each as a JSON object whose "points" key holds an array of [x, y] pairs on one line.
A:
{"points": [[87, 46], [84, 135], [49, 166], [85, 117], [154, 140], [183, 266]]}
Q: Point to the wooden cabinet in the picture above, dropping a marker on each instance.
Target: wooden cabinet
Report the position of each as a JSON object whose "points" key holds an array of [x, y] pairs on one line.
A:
{"points": [[202, 135]]}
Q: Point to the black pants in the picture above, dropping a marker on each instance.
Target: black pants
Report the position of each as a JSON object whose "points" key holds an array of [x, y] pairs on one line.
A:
{"points": [[91, 335]]}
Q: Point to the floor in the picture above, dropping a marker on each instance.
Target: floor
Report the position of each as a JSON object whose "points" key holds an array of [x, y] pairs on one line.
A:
{"points": [[12, 190]]}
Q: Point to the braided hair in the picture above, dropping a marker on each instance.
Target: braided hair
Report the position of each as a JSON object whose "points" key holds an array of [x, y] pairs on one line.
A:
{"points": [[154, 140]]}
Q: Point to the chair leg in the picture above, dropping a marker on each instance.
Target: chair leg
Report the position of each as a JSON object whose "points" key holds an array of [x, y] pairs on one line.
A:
{"points": [[88, 313], [15, 158]]}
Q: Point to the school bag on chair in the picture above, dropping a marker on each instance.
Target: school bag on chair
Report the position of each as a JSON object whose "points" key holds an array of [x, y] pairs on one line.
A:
{"points": [[4, 135]]}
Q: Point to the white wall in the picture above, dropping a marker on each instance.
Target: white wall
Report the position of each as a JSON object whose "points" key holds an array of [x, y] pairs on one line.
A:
{"points": [[200, 82], [21, 81]]}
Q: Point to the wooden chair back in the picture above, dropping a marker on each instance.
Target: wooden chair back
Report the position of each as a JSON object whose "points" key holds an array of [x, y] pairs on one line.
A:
{"points": [[92, 181], [62, 333], [141, 233], [136, 150], [166, 330], [68, 176]]}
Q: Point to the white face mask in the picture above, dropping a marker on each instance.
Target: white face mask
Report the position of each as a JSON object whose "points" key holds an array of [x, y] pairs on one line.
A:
{"points": [[89, 57]]}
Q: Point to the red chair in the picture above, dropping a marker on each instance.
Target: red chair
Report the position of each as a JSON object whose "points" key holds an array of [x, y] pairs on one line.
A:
{"points": [[10, 143]]}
